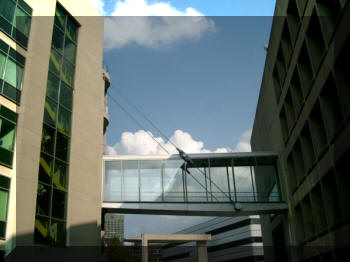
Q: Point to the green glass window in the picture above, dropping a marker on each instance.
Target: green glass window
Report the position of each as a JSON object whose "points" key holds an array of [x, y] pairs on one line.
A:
{"points": [[48, 140], [41, 232], [7, 9], [60, 17], [57, 233], [4, 196], [14, 74], [50, 112], [72, 30], [58, 204], [60, 175], [62, 147], [67, 73], [43, 199], [2, 64], [45, 168], [57, 39], [22, 21], [7, 134], [66, 96], [52, 87], [64, 120], [69, 50], [55, 62]]}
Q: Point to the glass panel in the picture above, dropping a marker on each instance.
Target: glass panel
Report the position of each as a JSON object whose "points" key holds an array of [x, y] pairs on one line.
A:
{"points": [[57, 39], [58, 204], [66, 98], [62, 147], [60, 17], [2, 229], [4, 195], [7, 9], [60, 175], [151, 180], [43, 200], [244, 183], [22, 21], [52, 87], [2, 64], [67, 73], [7, 134], [55, 62], [41, 232], [266, 178], [50, 112], [131, 181], [45, 168], [69, 50], [58, 233], [71, 30], [113, 181], [219, 183], [4, 182], [64, 120], [48, 139], [11, 92], [13, 74], [197, 184], [172, 181]]}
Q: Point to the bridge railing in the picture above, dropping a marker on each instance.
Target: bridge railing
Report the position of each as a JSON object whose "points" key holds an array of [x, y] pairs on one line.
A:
{"points": [[248, 177]]}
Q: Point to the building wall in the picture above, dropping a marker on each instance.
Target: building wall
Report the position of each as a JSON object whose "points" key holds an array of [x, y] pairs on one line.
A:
{"points": [[87, 130], [302, 112]]}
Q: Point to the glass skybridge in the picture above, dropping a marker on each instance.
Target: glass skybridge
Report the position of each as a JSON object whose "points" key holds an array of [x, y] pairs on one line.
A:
{"points": [[207, 182]]}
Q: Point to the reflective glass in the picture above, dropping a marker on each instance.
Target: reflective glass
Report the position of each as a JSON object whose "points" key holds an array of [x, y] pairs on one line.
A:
{"points": [[43, 200], [66, 96], [45, 168], [57, 39], [131, 181], [22, 21], [69, 50], [7, 134], [60, 175], [62, 147], [219, 183], [48, 139], [52, 86], [197, 184], [55, 62], [151, 180], [4, 195], [13, 74], [41, 232], [67, 74], [50, 112], [244, 183], [64, 120], [2, 64], [60, 17], [58, 204], [172, 181], [266, 178], [113, 181], [71, 30], [7, 9], [58, 233]]}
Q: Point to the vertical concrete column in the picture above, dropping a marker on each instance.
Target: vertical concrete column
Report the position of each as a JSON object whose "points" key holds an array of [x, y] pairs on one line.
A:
{"points": [[202, 251], [144, 248]]}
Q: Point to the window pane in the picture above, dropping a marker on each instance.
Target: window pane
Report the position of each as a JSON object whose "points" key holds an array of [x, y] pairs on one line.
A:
{"points": [[244, 183], [218, 175], [22, 21], [58, 233], [113, 181], [57, 39], [13, 74], [196, 184], [66, 94], [7, 134], [2, 64], [4, 182], [60, 175], [41, 233], [131, 181], [173, 183], [151, 181], [7, 9], [48, 139], [62, 147], [67, 73], [43, 200], [4, 195], [52, 87], [71, 30], [55, 62], [69, 50], [60, 17], [45, 168], [50, 112], [11, 92], [58, 204], [64, 120]]}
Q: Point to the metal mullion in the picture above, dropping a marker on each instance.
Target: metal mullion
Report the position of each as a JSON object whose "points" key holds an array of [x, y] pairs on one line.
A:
{"points": [[162, 178], [251, 177], [211, 191], [206, 184], [233, 177], [121, 180], [184, 182], [139, 178], [228, 183]]}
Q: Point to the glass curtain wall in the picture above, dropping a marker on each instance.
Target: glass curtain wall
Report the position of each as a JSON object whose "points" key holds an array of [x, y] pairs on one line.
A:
{"points": [[4, 197], [51, 207], [8, 121]]}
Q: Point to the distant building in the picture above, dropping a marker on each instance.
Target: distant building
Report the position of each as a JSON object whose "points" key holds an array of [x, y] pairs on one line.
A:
{"points": [[233, 239], [303, 112], [114, 226]]}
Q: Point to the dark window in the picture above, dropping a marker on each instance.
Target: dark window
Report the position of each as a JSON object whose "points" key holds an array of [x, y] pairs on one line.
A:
{"points": [[4, 196], [7, 135]]}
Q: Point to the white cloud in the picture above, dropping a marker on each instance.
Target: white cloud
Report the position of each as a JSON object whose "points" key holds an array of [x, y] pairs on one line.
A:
{"points": [[98, 5], [140, 143], [153, 25]]}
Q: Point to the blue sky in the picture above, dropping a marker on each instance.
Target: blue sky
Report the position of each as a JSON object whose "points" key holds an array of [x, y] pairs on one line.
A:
{"points": [[197, 78]]}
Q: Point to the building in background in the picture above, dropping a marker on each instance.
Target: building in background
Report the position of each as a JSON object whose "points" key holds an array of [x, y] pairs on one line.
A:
{"points": [[114, 226], [232, 239], [303, 112], [53, 120]]}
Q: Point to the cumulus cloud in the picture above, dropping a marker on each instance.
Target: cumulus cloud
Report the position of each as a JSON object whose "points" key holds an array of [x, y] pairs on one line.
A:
{"points": [[98, 5], [141, 143], [153, 25]]}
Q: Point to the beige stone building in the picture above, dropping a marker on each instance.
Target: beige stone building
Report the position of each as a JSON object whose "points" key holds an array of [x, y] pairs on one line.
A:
{"points": [[53, 118]]}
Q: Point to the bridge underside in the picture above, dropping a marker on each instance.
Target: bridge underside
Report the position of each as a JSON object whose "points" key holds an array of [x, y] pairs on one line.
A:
{"points": [[195, 209]]}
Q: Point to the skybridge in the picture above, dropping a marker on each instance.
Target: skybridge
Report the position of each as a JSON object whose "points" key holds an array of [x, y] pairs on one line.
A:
{"points": [[215, 184]]}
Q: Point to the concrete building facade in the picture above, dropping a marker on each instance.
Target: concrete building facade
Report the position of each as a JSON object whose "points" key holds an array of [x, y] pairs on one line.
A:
{"points": [[303, 113], [52, 123]]}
